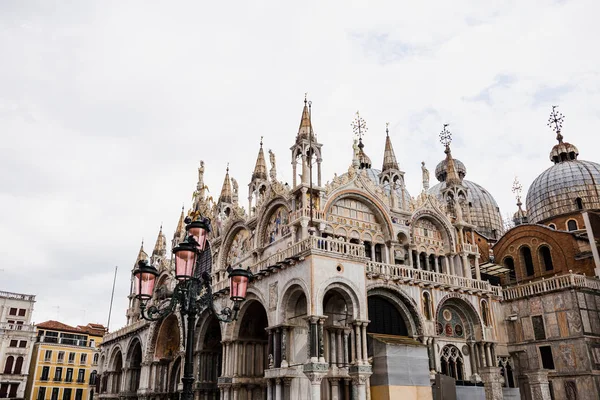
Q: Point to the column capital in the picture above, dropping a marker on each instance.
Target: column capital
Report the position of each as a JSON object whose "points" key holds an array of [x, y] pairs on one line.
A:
{"points": [[287, 381]]}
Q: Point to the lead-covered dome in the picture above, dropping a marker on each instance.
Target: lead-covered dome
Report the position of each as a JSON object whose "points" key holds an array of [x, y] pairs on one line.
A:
{"points": [[567, 186], [440, 169]]}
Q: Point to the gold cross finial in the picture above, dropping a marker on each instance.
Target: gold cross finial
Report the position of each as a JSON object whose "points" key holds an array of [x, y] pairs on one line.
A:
{"points": [[446, 136]]}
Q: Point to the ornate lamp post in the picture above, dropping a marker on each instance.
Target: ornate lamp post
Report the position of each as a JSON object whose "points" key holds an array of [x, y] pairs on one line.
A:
{"points": [[193, 292]]}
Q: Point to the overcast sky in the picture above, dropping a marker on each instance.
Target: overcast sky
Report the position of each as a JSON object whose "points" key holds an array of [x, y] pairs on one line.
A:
{"points": [[106, 109]]}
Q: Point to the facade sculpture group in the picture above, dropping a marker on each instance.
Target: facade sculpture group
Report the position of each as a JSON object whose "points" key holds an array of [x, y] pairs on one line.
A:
{"points": [[362, 291]]}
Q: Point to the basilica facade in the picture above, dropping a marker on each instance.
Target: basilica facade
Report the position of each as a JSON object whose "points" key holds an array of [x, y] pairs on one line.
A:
{"points": [[362, 291]]}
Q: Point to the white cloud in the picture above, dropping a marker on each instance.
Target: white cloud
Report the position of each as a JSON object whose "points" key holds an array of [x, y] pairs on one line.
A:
{"points": [[105, 111]]}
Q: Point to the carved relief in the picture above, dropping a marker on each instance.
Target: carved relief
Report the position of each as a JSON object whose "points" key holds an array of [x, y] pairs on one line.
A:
{"points": [[273, 295]]}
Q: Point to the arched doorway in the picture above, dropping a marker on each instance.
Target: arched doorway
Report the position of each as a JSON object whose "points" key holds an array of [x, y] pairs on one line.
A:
{"points": [[116, 372], [134, 362], [166, 355], [209, 358], [247, 357]]}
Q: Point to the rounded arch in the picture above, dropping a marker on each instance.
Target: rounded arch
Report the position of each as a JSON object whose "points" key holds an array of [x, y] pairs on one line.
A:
{"points": [[268, 210], [526, 260], [133, 363], [407, 307], [114, 353], [545, 257], [291, 292], [168, 339], [438, 220], [228, 239], [246, 314], [572, 225], [464, 308], [371, 202], [135, 344], [349, 292]]}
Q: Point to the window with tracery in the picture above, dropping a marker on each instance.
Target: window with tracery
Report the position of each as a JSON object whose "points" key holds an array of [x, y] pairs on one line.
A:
{"points": [[452, 363]]}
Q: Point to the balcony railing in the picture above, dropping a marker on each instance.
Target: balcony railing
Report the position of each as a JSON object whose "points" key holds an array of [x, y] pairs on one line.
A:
{"points": [[17, 296], [65, 341], [411, 275], [469, 248], [569, 280], [17, 327], [305, 212]]}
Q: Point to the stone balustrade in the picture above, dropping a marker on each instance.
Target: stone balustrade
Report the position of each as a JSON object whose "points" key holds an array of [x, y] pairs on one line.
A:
{"points": [[17, 296], [569, 280], [305, 212], [124, 330], [469, 248], [415, 276], [17, 327]]}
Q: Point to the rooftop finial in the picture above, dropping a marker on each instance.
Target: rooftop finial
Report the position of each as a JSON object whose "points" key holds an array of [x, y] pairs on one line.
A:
{"points": [[387, 128], [516, 189], [446, 137], [305, 97], [228, 163], [261, 142], [555, 123], [359, 126]]}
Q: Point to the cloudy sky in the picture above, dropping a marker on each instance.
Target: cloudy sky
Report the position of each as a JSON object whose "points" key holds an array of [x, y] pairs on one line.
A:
{"points": [[106, 109]]}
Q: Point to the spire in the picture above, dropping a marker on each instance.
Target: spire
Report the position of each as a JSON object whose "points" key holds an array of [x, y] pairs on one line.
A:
{"points": [[141, 255], [562, 151], [452, 176], [160, 248], [226, 193], [305, 128], [260, 170], [389, 158], [181, 223]]}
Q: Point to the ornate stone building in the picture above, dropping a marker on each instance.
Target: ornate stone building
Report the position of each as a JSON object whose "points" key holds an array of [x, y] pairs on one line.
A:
{"points": [[361, 290]]}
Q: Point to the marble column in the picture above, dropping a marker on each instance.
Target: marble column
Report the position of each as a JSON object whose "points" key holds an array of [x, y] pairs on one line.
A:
{"points": [[278, 389], [472, 359], [340, 349], [269, 389], [418, 260], [359, 386], [358, 343], [538, 384], [466, 266], [477, 271], [287, 388], [332, 347], [410, 258], [488, 355], [492, 382], [452, 270], [364, 342], [335, 390], [345, 341]]}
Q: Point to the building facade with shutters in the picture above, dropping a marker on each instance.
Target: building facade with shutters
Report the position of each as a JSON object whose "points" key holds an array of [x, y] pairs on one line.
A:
{"points": [[65, 362], [17, 336], [360, 290]]}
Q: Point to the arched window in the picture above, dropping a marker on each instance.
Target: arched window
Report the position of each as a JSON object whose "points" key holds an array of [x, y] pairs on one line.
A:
{"points": [[485, 312], [427, 305], [9, 364], [452, 363], [18, 365], [579, 203], [546, 258], [552, 226], [96, 358], [527, 260], [572, 225], [509, 263], [93, 377]]}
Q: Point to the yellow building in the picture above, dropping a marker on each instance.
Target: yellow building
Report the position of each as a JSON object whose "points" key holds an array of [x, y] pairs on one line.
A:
{"points": [[64, 362]]}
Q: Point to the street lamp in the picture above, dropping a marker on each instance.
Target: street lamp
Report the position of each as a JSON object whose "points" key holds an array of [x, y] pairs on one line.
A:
{"points": [[192, 293]]}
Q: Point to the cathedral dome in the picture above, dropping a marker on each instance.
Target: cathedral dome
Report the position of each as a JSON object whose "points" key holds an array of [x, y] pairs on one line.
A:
{"points": [[485, 213], [440, 169], [567, 186]]}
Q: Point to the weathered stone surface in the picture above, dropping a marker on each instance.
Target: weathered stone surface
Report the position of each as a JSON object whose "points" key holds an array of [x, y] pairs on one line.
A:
{"points": [[552, 330]]}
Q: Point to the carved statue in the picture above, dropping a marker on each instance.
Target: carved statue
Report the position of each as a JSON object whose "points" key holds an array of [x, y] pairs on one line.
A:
{"points": [[355, 156], [458, 211], [273, 172], [235, 186], [425, 176]]}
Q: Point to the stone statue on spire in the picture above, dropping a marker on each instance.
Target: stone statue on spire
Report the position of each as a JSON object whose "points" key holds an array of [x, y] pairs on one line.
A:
{"points": [[273, 171], [234, 184], [425, 176]]}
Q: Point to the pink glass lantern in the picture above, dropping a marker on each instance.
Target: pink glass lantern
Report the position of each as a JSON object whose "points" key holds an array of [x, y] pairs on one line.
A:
{"points": [[239, 279], [144, 280], [199, 229], [185, 260]]}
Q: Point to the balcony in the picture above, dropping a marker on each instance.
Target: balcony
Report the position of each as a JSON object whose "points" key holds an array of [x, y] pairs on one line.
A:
{"points": [[17, 296], [305, 212], [17, 327], [466, 247], [408, 275], [569, 280], [63, 341]]}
